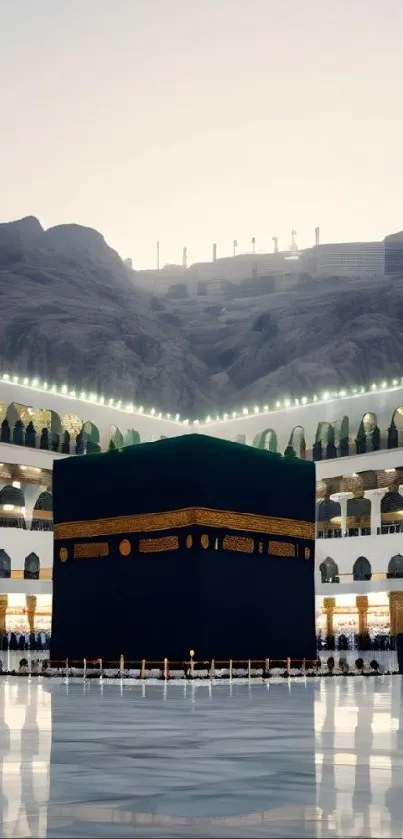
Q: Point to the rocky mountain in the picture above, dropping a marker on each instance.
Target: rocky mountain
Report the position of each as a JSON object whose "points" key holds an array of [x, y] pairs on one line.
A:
{"points": [[71, 313]]}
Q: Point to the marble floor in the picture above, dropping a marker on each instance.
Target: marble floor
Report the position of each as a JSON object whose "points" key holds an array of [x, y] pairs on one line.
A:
{"points": [[314, 758]]}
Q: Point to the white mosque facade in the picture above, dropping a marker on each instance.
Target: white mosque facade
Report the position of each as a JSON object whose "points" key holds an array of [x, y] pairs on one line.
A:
{"points": [[355, 437]]}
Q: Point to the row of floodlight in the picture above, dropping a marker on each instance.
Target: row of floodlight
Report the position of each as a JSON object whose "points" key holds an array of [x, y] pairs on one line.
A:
{"points": [[286, 404]]}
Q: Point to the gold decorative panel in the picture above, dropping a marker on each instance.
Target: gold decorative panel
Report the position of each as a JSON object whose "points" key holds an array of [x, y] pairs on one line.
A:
{"points": [[72, 424], [352, 483], [42, 419], [186, 517], [91, 550], [24, 413], [204, 541], [159, 545], [63, 554], [281, 548], [243, 544], [42, 515], [125, 547]]}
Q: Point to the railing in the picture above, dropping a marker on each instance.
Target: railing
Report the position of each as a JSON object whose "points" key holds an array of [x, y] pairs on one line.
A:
{"points": [[338, 533], [215, 670]]}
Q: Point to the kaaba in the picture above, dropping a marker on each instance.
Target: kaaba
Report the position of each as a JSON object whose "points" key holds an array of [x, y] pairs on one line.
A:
{"points": [[188, 543]]}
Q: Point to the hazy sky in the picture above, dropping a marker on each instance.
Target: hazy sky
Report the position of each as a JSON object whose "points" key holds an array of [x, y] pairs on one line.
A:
{"points": [[194, 121]]}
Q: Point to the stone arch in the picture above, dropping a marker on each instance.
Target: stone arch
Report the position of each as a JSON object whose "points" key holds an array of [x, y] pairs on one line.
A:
{"points": [[395, 567], [297, 441], [266, 440], [90, 432], [395, 430], [131, 437], [12, 507], [42, 419], [32, 567], [329, 571], [342, 436], [324, 440], [116, 436], [42, 514], [5, 565], [392, 505], [322, 433], [12, 496], [358, 511], [46, 418], [72, 424], [17, 411], [328, 513], [362, 569], [368, 434]]}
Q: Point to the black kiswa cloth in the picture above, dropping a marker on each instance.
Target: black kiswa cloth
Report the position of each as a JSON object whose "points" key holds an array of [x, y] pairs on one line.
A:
{"points": [[186, 543], [186, 471]]}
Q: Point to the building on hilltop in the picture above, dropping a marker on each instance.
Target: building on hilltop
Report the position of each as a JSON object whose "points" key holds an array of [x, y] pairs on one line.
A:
{"points": [[394, 254]]}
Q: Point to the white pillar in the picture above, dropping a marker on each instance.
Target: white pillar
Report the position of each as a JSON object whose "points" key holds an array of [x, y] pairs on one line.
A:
{"points": [[342, 498], [375, 496]]}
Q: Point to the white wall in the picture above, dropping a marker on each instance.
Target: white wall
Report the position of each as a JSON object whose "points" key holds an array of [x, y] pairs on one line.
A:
{"points": [[283, 420], [25, 456], [373, 461], [26, 587], [103, 416], [19, 543], [377, 549]]}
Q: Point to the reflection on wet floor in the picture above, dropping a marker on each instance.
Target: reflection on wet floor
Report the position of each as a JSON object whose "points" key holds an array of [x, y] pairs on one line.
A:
{"points": [[309, 758]]}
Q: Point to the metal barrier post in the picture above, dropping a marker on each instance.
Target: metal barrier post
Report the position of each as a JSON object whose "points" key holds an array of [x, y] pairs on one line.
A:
{"points": [[212, 669], [166, 672], [100, 668], [143, 668], [85, 668], [249, 669], [230, 669], [67, 667], [121, 665], [192, 652]]}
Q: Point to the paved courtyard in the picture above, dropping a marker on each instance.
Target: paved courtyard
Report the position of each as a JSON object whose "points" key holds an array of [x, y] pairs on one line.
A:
{"points": [[321, 758]]}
